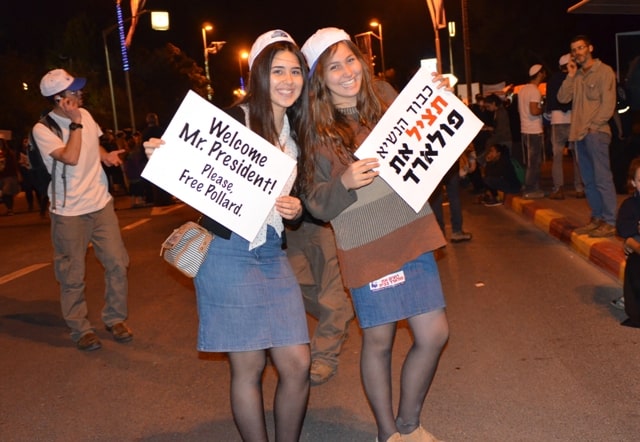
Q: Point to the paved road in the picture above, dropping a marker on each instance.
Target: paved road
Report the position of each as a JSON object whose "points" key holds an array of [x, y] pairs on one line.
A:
{"points": [[535, 354]]}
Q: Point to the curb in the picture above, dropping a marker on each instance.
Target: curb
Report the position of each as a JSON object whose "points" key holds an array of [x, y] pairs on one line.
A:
{"points": [[606, 253]]}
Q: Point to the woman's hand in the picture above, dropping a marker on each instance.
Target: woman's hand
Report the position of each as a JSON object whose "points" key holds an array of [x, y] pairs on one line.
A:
{"points": [[151, 145], [442, 81], [289, 207], [360, 173]]}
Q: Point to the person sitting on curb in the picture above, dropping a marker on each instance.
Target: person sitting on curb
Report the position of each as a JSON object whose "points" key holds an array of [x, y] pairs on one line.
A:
{"points": [[499, 175], [628, 227]]}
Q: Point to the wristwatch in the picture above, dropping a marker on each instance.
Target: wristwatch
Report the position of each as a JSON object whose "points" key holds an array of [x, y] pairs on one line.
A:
{"points": [[74, 126]]}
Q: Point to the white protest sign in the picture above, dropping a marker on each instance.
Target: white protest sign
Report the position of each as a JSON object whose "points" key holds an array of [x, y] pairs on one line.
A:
{"points": [[220, 167], [418, 139]]}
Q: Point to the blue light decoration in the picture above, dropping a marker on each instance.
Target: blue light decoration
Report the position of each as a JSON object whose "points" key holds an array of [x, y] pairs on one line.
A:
{"points": [[123, 47], [242, 83]]}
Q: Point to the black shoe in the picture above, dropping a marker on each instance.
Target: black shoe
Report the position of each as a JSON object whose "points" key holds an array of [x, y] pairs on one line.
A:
{"points": [[630, 323]]}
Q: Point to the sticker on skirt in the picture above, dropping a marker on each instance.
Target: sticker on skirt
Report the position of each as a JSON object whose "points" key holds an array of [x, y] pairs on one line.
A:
{"points": [[391, 280]]}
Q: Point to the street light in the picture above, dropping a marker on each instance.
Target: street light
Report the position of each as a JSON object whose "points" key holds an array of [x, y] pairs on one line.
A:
{"points": [[243, 55], [452, 33], [375, 23], [159, 22], [206, 27]]}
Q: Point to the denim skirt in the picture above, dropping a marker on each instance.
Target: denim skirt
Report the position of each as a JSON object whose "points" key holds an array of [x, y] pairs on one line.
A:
{"points": [[419, 291], [248, 299]]}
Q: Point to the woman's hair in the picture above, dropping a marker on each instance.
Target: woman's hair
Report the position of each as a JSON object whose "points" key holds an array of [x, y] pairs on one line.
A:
{"points": [[330, 128], [258, 97]]}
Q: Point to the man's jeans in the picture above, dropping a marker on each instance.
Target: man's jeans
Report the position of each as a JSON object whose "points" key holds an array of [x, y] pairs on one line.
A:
{"points": [[593, 159]]}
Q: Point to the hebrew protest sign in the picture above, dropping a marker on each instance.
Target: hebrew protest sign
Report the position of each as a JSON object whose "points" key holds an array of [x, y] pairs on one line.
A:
{"points": [[419, 138], [220, 167]]}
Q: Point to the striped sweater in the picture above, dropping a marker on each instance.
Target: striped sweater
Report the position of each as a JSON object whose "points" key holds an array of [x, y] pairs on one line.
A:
{"points": [[376, 230]]}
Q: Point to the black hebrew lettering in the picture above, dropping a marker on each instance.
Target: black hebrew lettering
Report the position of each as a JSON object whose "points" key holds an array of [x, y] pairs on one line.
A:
{"points": [[455, 119]]}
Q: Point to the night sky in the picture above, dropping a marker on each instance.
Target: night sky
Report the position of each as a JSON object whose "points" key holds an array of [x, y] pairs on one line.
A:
{"points": [[507, 36]]}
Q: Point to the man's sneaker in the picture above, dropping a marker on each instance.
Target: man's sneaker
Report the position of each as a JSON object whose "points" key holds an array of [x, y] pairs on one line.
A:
{"points": [[618, 303], [460, 236], [593, 225], [320, 372], [557, 195], [491, 201], [89, 342], [533, 195], [120, 332], [604, 230], [580, 194]]}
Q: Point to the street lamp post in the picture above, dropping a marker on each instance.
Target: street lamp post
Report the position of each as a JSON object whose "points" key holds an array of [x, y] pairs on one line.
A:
{"points": [[467, 48], [243, 55], [452, 33], [205, 28], [375, 23], [159, 22]]}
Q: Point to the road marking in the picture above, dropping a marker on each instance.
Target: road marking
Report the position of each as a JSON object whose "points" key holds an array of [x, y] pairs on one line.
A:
{"points": [[32, 268], [136, 224], [155, 211], [25, 271]]}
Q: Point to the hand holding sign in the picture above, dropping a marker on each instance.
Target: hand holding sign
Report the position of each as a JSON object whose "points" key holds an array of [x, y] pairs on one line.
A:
{"points": [[220, 167], [419, 138], [151, 145], [360, 173]]}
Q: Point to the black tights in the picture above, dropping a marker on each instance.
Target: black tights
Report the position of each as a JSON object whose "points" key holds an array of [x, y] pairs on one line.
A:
{"points": [[292, 392], [430, 332]]}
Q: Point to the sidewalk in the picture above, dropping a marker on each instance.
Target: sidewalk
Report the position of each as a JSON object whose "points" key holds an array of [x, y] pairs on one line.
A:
{"points": [[559, 218]]}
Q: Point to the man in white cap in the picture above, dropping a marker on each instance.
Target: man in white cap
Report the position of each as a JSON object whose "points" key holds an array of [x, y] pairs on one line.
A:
{"points": [[82, 210], [590, 86], [532, 132], [560, 123]]}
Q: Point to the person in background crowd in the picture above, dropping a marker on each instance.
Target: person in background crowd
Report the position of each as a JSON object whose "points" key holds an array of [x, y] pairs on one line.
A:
{"points": [[501, 127], [560, 124], [479, 108], [249, 301], [396, 245], [82, 211], [28, 186], [499, 175], [590, 86], [115, 174], [134, 164], [532, 132], [159, 196], [9, 176], [628, 227], [450, 185], [311, 249]]}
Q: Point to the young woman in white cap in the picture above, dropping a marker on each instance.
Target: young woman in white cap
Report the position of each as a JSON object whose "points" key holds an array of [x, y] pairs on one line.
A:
{"points": [[249, 301], [379, 237]]}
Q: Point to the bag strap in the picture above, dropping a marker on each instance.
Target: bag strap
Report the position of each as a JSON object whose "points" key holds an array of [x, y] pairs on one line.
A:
{"points": [[54, 127]]}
